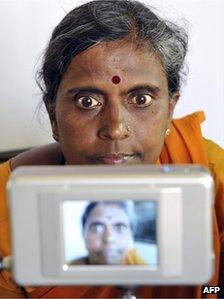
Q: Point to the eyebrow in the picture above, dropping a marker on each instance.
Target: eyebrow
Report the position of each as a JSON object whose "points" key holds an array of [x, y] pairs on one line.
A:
{"points": [[96, 223], [86, 89], [148, 87]]}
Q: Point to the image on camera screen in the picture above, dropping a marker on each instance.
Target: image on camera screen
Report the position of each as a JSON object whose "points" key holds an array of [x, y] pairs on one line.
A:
{"points": [[110, 232]]}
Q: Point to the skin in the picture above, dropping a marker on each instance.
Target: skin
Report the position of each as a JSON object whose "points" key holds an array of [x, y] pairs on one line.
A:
{"points": [[108, 234], [124, 123]]}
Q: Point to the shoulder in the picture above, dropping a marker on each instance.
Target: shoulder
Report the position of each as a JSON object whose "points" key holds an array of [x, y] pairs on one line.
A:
{"points": [[45, 155], [49, 154], [80, 261], [215, 154], [5, 170]]}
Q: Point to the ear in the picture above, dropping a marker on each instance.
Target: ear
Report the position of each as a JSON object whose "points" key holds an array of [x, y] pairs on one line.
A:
{"points": [[84, 236], [54, 126], [172, 104]]}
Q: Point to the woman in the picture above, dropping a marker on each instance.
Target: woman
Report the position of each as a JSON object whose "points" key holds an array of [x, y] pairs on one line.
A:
{"points": [[108, 233], [110, 80]]}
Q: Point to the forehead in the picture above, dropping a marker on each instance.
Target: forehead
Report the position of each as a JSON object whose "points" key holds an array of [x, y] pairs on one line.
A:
{"points": [[100, 63], [108, 212]]}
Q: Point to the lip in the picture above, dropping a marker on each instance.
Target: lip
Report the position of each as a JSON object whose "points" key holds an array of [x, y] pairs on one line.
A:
{"points": [[115, 158]]}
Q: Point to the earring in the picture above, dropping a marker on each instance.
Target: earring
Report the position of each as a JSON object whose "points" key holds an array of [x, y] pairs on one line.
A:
{"points": [[55, 137], [128, 128], [167, 132]]}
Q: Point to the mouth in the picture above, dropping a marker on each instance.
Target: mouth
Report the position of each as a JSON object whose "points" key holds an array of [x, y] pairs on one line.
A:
{"points": [[116, 158]]}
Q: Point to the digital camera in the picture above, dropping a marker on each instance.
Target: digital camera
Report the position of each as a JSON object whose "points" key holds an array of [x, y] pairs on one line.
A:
{"points": [[124, 225]]}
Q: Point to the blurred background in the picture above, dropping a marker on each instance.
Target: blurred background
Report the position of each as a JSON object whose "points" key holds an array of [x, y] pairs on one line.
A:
{"points": [[25, 27]]}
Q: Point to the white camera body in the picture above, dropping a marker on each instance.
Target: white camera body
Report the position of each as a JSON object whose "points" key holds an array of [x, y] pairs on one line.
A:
{"points": [[180, 251]]}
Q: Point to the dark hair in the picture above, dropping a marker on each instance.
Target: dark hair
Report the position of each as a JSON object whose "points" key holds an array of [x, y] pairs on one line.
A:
{"points": [[109, 20], [92, 205]]}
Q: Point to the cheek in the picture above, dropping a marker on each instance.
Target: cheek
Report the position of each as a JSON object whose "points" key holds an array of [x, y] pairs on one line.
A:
{"points": [[68, 121], [93, 242], [150, 127], [74, 128], [125, 241], [151, 133]]}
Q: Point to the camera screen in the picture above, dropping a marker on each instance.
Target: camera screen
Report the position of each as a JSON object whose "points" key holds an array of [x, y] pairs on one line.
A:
{"points": [[110, 232]]}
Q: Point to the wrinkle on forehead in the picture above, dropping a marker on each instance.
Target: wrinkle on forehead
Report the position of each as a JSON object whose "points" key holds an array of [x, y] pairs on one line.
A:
{"points": [[113, 58], [108, 212], [96, 67]]}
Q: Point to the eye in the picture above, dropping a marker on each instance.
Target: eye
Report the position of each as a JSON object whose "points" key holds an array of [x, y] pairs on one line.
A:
{"points": [[142, 100], [97, 228], [120, 227], [87, 102]]}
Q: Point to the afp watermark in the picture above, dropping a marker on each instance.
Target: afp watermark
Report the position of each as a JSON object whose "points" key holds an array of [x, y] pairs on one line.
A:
{"points": [[211, 290]]}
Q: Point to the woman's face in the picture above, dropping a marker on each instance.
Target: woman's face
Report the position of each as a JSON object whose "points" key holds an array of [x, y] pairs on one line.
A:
{"points": [[99, 120], [108, 235]]}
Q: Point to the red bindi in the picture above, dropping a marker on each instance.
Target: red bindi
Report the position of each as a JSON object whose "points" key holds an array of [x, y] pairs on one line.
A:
{"points": [[116, 79]]}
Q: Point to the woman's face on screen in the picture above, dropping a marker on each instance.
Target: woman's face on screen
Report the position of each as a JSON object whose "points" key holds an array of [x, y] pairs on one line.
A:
{"points": [[112, 106], [108, 235]]}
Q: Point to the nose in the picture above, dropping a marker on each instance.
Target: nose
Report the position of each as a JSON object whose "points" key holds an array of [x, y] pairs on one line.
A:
{"points": [[109, 235], [114, 125]]}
